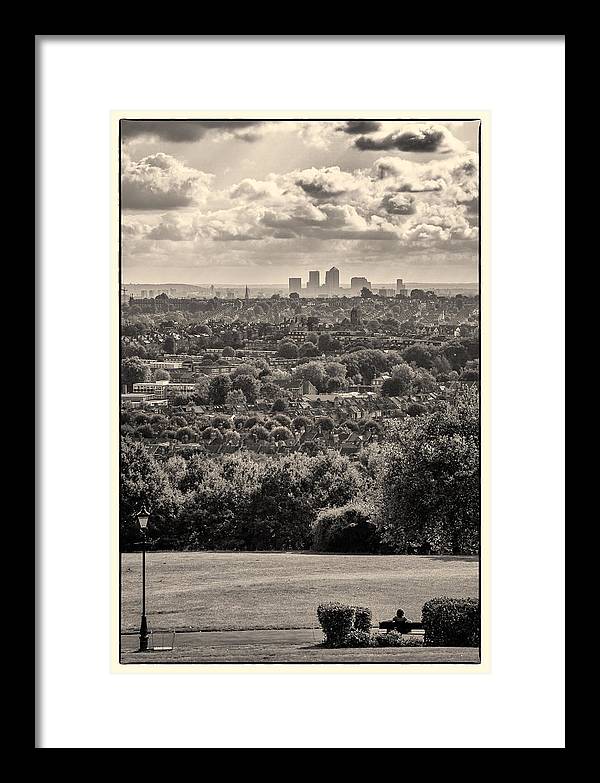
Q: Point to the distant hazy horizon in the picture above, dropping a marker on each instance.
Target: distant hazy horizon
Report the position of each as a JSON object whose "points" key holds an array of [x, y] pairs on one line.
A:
{"points": [[284, 284], [256, 202]]}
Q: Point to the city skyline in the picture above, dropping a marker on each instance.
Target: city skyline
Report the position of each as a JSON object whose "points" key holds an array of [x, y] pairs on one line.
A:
{"points": [[216, 202]]}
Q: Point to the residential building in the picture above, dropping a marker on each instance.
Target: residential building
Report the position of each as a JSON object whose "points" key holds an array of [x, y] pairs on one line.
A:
{"points": [[163, 388]]}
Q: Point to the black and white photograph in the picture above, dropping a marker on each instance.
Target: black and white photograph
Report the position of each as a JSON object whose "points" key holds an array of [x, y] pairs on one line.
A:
{"points": [[300, 427], [300, 391]]}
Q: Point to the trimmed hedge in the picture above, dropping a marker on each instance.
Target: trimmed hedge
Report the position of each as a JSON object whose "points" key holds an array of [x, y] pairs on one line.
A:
{"points": [[358, 638], [362, 618], [451, 622], [337, 621], [395, 639], [345, 626]]}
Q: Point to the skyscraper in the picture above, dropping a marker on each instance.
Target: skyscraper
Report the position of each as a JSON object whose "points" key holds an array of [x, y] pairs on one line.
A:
{"points": [[295, 285], [314, 282], [400, 287], [358, 283], [332, 280]]}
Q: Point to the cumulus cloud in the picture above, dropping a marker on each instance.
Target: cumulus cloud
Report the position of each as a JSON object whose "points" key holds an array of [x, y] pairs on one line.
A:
{"points": [[161, 181], [412, 138], [360, 126], [398, 204], [314, 133], [327, 182], [395, 199], [252, 189], [438, 221], [458, 176], [181, 131]]}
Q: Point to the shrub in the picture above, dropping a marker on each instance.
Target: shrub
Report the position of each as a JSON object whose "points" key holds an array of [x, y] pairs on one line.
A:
{"points": [[451, 622], [356, 638], [395, 639], [362, 618], [346, 529], [336, 620]]}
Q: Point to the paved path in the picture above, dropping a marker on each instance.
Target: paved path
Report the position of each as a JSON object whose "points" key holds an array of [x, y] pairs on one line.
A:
{"points": [[277, 646], [236, 638]]}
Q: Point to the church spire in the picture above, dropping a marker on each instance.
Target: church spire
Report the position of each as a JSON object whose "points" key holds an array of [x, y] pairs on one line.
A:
{"points": [[246, 295]]}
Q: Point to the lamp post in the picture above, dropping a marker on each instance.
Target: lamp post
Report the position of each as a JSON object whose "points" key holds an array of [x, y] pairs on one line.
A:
{"points": [[143, 521]]}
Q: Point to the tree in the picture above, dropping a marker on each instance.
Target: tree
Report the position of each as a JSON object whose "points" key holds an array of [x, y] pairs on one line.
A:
{"points": [[176, 471], [287, 350], [228, 351], [221, 422], [416, 409], [133, 370], [470, 374], [313, 372], [249, 385], [143, 484], [218, 388], [260, 432], [366, 293], [186, 435], [346, 529], [429, 494], [423, 380], [301, 423], [281, 433], [201, 392], [400, 382], [392, 387], [212, 435], [326, 423], [419, 355], [181, 400], [246, 369], [271, 391], [335, 385], [169, 345], [279, 405], [235, 397], [162, 375], [283, 420], [324, 343], [308, 349], [366, 362]]}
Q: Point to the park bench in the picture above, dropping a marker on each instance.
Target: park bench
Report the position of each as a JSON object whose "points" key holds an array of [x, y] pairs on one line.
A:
{"points": [[403, 628]]}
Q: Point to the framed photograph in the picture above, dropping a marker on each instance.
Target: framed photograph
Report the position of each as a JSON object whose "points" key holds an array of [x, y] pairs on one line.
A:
{"points": [[299, 389]]}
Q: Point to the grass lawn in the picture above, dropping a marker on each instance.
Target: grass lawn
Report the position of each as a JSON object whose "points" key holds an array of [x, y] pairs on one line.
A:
{"points": [[203, 591], [264, 653]]}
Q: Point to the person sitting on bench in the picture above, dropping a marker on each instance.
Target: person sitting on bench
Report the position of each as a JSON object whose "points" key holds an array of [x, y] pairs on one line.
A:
{"points": [[398, 623], [401, 623]]}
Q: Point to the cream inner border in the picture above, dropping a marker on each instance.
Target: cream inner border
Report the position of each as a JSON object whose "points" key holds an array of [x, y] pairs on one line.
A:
{"points": [[485, 300]]}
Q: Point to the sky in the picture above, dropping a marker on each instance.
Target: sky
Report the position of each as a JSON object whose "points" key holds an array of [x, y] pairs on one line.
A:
{"points": [[256, 202]]}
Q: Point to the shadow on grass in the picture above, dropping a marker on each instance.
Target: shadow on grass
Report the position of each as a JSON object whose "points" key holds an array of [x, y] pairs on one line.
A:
{"points": [[441, 558]]}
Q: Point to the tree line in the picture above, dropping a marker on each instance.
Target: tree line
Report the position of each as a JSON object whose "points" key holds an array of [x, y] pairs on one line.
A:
{"points": [[419, 491]]}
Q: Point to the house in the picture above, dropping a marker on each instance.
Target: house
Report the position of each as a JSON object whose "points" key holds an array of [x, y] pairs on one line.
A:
{"points": [[297, 388]]}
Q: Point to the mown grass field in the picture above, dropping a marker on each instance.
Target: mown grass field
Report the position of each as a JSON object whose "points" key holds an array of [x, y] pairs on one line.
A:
{"points": [[203, 591]]}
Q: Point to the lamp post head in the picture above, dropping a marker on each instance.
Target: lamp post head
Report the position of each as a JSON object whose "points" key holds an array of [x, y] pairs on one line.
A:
{"points": [[143, 519]]}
